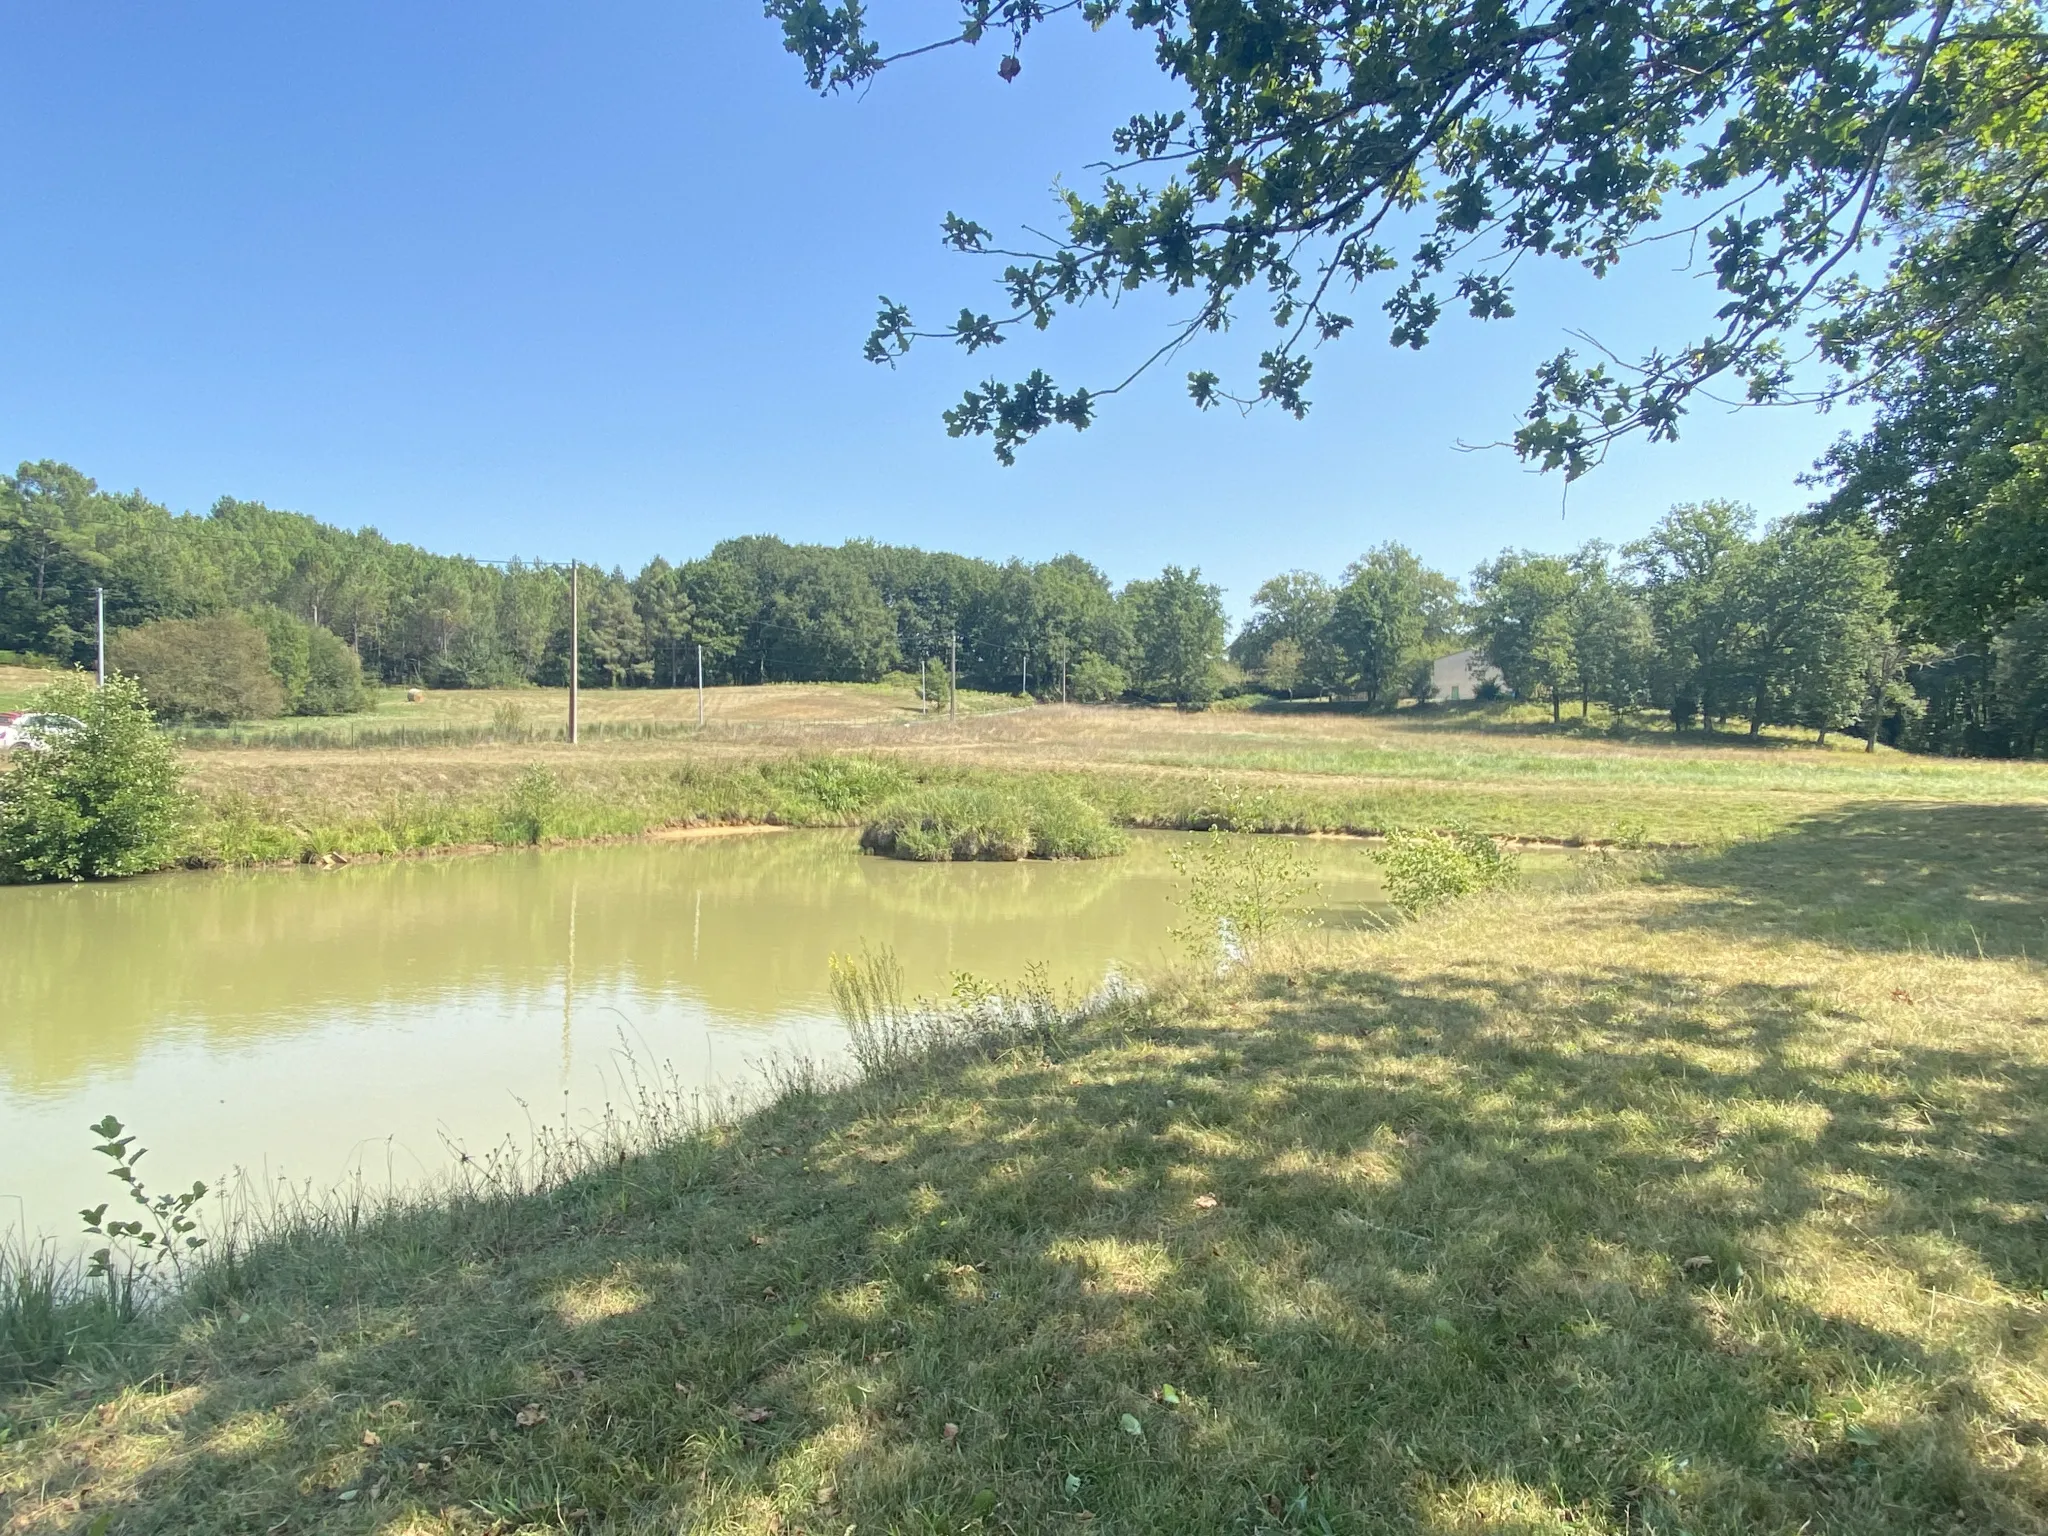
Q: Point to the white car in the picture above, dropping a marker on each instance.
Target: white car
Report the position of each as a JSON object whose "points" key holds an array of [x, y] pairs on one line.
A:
{"points": [[33, 731]]}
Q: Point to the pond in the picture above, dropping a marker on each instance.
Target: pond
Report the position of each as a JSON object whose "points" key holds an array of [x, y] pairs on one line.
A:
{"points": [[312, 1025]]}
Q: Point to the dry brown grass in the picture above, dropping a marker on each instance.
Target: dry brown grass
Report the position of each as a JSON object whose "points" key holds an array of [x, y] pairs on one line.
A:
{"points": [[19, 684]]}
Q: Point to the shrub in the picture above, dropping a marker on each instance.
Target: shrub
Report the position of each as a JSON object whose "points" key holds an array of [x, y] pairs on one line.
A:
{"points": [[510, 723], [319, 674], [833, 789], [208, 671], [98, 803], [1091, 680], [334, 676], [1427, 869], [964, 822]]}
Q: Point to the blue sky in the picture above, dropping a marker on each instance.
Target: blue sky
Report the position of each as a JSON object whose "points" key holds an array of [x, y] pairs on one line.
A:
{"points": [[593, 280]]}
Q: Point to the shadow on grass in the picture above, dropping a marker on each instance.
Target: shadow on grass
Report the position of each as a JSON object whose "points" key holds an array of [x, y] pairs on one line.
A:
{"points": [[1960, 879], [1608, 1250]]}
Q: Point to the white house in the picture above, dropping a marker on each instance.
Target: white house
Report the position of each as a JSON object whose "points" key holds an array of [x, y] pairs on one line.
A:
{"points": [[1458, 675]]}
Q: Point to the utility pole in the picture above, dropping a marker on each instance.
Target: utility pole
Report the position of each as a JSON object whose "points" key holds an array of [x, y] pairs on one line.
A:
{"points": [[1024, 678], [700, 687], [1063, 680], [953, 693], [575, 645], [102, 591], [921, 701]]}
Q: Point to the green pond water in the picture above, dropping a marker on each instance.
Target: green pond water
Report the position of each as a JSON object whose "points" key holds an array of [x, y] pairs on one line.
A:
{"points": [[317, 1025]]}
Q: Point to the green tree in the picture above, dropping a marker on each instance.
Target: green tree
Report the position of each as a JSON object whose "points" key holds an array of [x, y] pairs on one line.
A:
{"points": [[48, 560], [334, 676], [1813, 606], [1389, 614], [1177, 627], [1093, 680], [720, 603], [1693, 609], [1952, 474], [614, 648], [665, 612], [96, 803], [1294, 607], [1410, 155], [2020, 675], [1522, 618], [1284, 666], [1613, 646]]}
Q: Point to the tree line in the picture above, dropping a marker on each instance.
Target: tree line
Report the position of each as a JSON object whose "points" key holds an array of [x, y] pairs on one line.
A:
{"points": [[1707, 619], [761, 609]]}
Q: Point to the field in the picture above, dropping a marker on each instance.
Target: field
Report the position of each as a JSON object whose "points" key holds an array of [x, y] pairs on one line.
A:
{"points": [[18, 685], [1706, 1196], [778, 755], [467, 716]]}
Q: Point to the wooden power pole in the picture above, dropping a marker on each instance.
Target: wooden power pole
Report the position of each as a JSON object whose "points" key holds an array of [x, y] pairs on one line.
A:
{"points": [[575, 645]]}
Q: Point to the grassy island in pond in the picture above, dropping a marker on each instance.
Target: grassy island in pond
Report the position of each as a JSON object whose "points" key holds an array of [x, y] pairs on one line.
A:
{"points": [[943, 823]]}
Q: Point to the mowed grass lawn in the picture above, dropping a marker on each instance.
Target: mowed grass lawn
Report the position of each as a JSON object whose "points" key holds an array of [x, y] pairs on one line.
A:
{"points": [[1710, 1196]]}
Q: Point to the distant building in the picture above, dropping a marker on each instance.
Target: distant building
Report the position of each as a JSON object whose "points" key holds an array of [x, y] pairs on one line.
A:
{"points": [[1458, 676]]}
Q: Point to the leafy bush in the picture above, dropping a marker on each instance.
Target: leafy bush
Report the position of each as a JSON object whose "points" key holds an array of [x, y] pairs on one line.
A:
{"points": [[320, 675], [965, 822], [1091, 680], [1423, 870], [96, 803], [206, 671], [334, 676], [1240, 891]]}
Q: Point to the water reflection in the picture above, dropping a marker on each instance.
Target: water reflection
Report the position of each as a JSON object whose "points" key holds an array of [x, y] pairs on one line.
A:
{"points": [[311, 1021]]}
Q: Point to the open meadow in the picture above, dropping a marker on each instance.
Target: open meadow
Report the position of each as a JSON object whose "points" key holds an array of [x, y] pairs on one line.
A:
{"points": [[1707, 1194], [826, 755]]}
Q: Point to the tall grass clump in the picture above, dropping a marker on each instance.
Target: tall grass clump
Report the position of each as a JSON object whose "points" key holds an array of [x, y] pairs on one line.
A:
{"points": [[1428, 869], [960, 822], [48, 1315], [889, 1036], [829, 791]]}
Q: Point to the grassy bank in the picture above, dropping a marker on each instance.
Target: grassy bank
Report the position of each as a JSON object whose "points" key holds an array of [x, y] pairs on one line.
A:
{"points": [[1705, 1198]]}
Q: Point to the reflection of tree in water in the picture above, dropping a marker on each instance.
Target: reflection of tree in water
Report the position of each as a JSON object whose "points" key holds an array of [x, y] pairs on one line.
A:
{"points": [[90, 977]]}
